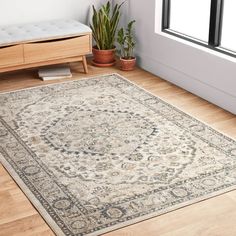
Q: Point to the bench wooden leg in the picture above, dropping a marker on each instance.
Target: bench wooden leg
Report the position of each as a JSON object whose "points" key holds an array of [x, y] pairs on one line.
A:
{"points": [[84, 61]]}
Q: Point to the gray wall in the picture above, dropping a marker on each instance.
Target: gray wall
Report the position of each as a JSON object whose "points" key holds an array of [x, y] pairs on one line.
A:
{"points": [[194, 68], [23, 11]]}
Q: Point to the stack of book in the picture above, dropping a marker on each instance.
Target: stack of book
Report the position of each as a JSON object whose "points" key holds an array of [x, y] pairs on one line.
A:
{"points": [[55, 72]]}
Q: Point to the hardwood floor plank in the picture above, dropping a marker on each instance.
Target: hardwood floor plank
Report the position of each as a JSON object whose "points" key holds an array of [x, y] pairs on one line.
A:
{"points": [[26, 226]]}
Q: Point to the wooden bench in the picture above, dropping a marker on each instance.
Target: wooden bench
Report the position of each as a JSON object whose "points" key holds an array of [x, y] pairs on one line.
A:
{"points": [[44, 43]]}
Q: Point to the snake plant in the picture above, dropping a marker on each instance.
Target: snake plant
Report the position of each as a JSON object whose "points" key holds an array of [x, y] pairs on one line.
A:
{"points": [[104, 25]]}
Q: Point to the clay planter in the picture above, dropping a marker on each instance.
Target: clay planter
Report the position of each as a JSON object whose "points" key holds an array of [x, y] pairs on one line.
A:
{"points": [[127, 64], [103, 58]]}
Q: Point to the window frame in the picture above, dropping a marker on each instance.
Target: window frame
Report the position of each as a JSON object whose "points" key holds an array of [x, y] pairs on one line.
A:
{"points": [[215, 27]]}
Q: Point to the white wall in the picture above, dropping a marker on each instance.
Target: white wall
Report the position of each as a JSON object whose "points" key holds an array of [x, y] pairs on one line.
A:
{"points": [[23, 11], [194, 68]]}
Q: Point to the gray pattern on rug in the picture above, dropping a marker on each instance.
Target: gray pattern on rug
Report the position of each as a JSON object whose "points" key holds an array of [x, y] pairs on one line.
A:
{"points": [[101, 153]]}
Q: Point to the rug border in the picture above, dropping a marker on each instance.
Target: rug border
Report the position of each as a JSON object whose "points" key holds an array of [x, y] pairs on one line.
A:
{"points": [[56, 229], [180, 109], [49, 220], [30, 196], [62, 82]]}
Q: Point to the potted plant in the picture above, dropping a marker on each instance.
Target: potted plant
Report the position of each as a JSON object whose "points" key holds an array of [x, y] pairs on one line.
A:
{"points": [[126, 41], [104, 28]]}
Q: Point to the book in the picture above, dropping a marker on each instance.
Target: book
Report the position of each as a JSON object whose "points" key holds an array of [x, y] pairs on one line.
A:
{"points": [[56, 77], [55, 72]]}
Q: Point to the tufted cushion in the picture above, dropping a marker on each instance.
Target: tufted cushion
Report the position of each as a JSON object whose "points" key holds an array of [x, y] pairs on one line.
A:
{"points": [[15, 34]]}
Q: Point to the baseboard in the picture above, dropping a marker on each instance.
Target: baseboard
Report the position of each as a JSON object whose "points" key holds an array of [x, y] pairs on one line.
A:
{"points": [[214, 95]]}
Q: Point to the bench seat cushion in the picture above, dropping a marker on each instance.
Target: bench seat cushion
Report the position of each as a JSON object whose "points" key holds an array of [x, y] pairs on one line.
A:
{"points": [[34, 32]]}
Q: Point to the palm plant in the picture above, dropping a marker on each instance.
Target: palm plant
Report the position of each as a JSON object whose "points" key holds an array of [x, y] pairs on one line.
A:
{"points": [[126, 41], [104, 25]]}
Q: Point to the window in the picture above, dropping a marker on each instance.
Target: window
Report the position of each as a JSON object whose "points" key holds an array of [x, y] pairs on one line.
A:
{"points": [[209, 23], [228, 40], [188, 21]]}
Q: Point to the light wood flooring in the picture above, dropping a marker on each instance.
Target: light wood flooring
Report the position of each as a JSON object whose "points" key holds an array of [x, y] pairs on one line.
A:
{"points": [[213, 217]]}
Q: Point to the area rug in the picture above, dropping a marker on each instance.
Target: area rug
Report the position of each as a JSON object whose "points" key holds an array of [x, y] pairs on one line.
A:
{"points": [[98, 154]]}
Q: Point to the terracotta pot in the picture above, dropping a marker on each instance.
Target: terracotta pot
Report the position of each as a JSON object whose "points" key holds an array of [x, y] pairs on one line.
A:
{"points": [[127, 64], [104, 58]]}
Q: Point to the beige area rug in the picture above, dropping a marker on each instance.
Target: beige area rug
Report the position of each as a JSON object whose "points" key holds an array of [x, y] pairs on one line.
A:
{"points": [[98, 154]]}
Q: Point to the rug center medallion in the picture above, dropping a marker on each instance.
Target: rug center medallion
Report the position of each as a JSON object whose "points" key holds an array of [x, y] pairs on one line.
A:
{"points": [[99, 132]]}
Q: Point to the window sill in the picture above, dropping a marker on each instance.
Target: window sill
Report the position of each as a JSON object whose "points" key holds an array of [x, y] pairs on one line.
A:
{"points": [[199, 45]]}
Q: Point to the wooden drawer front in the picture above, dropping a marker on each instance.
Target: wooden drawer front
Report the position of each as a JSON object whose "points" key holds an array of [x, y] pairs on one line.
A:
{"points": [[12, 55], [43, 51]]}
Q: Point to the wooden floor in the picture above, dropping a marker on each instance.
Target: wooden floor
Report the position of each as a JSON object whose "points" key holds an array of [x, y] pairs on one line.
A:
{"points": [[214, 217]]}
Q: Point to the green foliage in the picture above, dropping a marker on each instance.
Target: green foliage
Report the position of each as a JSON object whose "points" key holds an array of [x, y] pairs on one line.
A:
{"points": [[126, 41], [104, 25]]}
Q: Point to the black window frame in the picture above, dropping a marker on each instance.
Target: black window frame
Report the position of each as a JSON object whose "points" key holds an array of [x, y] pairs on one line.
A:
{"points": [[215, 27]]}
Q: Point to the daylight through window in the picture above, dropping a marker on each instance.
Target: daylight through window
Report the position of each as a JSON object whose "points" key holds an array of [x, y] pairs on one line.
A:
{"points": [[210, 23]]}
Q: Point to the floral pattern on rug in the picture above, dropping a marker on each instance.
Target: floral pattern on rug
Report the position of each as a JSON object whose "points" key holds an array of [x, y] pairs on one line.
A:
{"points": [[101, 153]]}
